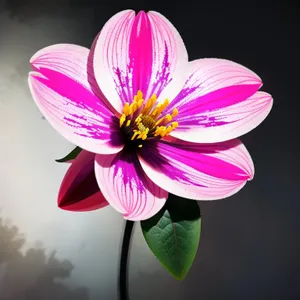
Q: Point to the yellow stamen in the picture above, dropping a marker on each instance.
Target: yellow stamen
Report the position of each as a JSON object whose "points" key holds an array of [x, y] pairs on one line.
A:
{"points": [[141, 127], [147, 124], [135, 134], [140, 146], [159, 121], [175, 112], [149, 105], [175, 124], [126, 109], [159, 109], [138, 119], [142, 132], [159, 130], [139, 95], [140, 102], [168, 117], [122, 120], [163, 130]]}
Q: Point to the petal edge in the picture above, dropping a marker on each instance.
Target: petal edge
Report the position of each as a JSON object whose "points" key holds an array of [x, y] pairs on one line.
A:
{"points": [[127, 188], [198, 171]]}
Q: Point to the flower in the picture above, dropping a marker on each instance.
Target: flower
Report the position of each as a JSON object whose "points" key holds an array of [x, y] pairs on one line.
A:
{"points": [[150, 122]]}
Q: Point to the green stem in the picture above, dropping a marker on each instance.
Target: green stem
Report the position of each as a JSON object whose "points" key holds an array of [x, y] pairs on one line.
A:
{"points": [[123, 291]]}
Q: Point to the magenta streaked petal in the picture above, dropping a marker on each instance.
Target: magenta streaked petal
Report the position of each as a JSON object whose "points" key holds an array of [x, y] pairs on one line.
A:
{"points": [[143, 52], [61, 89], [170, 58], [198, 171], [211, 74], [127, 188], [140, 53], [79, 190], [218, 102], [111, 58], [224, 123]]}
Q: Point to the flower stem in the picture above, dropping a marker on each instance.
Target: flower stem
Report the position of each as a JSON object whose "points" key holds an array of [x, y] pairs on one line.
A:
{"points": [[123, 291]]}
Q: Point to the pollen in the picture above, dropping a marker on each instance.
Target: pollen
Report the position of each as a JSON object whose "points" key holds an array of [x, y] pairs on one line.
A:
{"points": [[144, 120]]}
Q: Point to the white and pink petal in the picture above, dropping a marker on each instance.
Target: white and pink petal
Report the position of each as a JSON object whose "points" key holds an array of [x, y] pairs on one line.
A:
{"points": [[139, 52], [218, 125], [219, 102], [64, 93], [127, 188], [198, 171]]}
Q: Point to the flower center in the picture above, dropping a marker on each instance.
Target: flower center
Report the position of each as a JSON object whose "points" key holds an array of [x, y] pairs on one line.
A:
{"points": [[143, 120]]}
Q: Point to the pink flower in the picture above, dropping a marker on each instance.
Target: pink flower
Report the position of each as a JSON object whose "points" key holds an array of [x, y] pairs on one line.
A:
{"points": [[150, 122]]}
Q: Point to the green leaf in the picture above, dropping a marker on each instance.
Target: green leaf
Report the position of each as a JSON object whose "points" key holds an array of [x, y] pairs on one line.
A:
{"points": [[72, 155], [173, 234]]}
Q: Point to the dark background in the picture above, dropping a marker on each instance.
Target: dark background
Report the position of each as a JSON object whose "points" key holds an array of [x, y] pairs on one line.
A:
{"points": [[250, 244]]}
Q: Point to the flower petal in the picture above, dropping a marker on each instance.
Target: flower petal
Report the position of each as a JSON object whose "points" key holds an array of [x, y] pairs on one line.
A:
{"points": [[143, 52], [223, 124], [219, 102], [79, 190], [127, 188], [198, 171], [62, 91]]}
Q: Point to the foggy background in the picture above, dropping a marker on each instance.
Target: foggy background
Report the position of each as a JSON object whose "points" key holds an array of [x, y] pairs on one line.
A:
{"points": [[249, 246]]}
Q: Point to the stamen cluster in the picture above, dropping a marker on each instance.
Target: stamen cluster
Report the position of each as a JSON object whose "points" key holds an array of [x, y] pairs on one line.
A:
{"points": [[141, 120]]}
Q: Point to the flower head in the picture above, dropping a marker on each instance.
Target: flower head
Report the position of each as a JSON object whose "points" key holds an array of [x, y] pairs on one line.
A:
{"points": [[150, 122]]}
